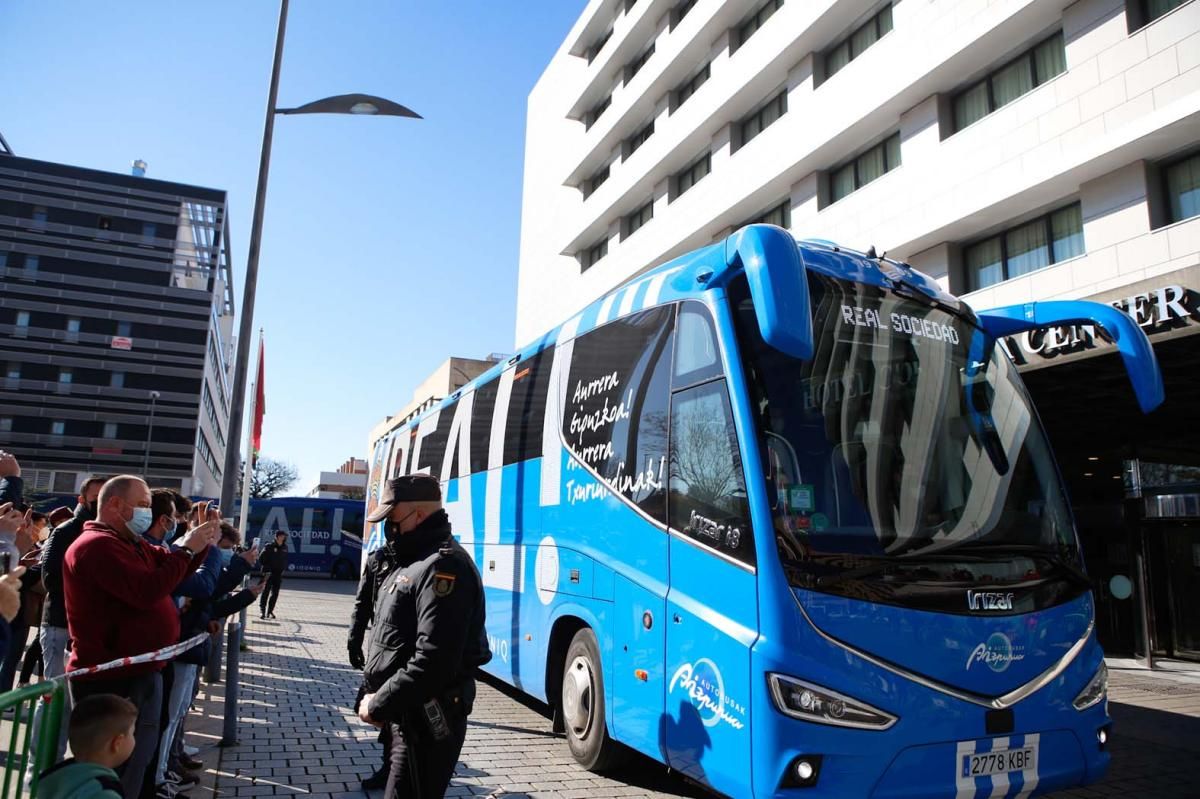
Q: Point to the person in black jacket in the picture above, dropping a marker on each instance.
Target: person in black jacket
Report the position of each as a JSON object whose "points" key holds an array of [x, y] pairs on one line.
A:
{"points": [[273, 560], [379, 564], [427, 640]]}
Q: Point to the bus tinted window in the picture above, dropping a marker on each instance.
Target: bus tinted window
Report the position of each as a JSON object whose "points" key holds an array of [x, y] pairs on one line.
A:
{"points": [[433, 445], [708, 493], [527, 408], [697, 357], [481, 424], [616, 405]]}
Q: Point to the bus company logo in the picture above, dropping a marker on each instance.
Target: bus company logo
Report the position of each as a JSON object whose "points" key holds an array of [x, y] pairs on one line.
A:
{"points": [[997, 653], [989, 600], [704, 686]]}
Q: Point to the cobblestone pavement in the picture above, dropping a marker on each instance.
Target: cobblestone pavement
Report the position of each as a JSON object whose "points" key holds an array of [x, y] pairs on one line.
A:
{"points": [[299, 737]]}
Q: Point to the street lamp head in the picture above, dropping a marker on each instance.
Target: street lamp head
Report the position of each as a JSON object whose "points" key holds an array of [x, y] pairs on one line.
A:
{"points": [[359, 104]]}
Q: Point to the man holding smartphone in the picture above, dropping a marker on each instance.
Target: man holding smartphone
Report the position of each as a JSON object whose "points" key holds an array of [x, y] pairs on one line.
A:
{"points": [[274, 560]]}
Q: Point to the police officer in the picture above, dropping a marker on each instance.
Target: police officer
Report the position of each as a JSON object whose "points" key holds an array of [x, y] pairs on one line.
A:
{"points": [[427, 640], [379, 564]]}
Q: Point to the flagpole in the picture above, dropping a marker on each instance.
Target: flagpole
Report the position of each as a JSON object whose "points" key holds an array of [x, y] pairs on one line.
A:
{"points": [[248, 474]]}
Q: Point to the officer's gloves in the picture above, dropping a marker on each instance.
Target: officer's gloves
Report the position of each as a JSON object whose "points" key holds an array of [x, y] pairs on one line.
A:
{"points": [[357, 659]]}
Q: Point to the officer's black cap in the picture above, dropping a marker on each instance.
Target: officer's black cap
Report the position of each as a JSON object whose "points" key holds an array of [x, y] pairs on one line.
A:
{"points": [[409, 488]]}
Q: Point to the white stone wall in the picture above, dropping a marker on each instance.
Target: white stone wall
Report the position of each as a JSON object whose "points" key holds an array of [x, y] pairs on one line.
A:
{"points": [[1095, 134]]}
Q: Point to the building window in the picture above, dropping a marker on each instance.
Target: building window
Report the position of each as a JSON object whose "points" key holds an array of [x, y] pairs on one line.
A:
{"points": [[22, 318], [39, 217], [58, 428], [3, 259], [599, 108], [755, 21], [874, 163], [680, 11], [1143, 12], [110, 430], [589, 257], [780, 215], [681, 95], [65, 376], [637, 219], [1025, 248], [124, 329], [638, 139], [762, 119], [5, 424], [691, 175], [73, 325], [595, 181], [1182, 180], [149, 231], [1020, 76], [635, 66], [595, 49], [32, 262], [863, 37], [13, 372], [116, 380]]}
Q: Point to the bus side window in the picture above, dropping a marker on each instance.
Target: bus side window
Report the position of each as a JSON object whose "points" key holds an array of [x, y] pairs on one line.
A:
{"points": [[481, 424], [615, 414], [697, 357], [707, 490], [527, 408], [433, 445]]}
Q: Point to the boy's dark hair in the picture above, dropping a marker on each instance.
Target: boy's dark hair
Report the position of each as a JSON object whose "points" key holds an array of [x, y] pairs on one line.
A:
{"points": [[96, 720], [162, 502], [91, 481]]}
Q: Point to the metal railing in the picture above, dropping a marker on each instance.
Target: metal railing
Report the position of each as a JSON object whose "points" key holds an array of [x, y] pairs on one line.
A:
{"points": [[23, 703]]}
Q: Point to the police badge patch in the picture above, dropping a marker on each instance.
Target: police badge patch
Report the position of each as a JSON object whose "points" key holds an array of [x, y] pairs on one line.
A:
{"points": [[443, 583]]}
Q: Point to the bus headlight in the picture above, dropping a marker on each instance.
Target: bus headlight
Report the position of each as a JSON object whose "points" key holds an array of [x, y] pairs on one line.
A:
{"points": [[1095, 690], [808, 702]]}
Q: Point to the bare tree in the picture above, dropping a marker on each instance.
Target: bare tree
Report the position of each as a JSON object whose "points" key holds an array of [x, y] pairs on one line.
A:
{"points": [[271, 478]]}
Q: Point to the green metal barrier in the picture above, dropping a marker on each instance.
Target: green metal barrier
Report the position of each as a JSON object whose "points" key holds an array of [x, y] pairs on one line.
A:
{"points": [[23, 701]]}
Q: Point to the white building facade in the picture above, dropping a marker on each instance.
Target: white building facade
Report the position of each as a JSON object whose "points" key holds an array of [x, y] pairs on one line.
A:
{"points": [[1017, 150]]}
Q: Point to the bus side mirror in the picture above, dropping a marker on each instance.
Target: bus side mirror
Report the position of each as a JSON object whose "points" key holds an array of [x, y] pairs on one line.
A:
{"points": [[1131, 341], [778, 285]]}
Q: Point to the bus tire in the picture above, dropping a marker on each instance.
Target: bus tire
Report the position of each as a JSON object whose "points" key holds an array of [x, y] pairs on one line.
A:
{"points": [[583, 705]]}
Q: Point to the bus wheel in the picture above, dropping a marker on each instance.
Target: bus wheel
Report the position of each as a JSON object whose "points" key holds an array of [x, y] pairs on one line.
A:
{"points": [[583, 704]]}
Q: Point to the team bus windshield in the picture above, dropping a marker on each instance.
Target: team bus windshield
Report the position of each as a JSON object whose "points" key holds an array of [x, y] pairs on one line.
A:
{"points": [[905, 457]]}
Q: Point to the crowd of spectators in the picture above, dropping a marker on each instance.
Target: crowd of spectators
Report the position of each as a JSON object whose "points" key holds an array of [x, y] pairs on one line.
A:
{"points": [[129, 570]]}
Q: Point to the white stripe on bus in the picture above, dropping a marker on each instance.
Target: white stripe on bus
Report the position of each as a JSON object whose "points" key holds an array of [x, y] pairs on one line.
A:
{"points": [[627, 299], [458, 445], [656, 284], [605, 309], [999, 781], [965, 784], [552, 446], [495, 556]]}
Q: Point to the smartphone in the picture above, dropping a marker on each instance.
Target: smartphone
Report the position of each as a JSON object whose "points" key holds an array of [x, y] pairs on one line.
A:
{"points": [[5, 562], [254, 543]]}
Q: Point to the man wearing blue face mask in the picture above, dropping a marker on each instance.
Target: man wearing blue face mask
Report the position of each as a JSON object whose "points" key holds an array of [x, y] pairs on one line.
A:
{"points": [[118, 600]]}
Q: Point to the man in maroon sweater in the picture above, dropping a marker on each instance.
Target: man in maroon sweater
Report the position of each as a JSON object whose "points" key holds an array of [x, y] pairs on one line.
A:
{"points": [[118, 597]]}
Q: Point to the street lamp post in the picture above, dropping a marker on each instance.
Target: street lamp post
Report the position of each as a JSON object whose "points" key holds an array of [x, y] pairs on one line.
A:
{"points": [[358, 104], [154, 395]]}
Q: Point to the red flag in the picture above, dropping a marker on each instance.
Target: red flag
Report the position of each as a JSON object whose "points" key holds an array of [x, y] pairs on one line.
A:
{"points": [[260, 406]]}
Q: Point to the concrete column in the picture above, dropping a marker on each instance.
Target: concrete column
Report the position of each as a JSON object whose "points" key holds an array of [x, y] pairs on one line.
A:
{"points": [[942, 262], [920, 131], [805, 204]]}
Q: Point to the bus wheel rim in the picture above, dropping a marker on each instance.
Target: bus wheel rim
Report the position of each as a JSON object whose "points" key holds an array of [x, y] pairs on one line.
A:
{"points": [[578, 696]]}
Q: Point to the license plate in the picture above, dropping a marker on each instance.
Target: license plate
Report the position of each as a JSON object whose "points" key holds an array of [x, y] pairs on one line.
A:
{"points": [[1000, 761]]}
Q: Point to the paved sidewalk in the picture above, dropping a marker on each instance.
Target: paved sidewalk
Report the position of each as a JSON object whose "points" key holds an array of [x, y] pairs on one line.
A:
{"points": [[299, 736]]}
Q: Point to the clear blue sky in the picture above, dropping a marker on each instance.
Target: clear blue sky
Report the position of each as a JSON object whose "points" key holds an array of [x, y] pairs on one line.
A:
{"points": [[389, 244]]}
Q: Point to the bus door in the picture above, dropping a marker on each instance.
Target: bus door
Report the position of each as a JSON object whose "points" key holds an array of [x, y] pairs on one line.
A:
{"points": [[712, 607]]}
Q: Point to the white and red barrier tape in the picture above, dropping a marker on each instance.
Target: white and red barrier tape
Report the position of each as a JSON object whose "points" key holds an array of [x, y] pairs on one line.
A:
{"points": [[166, 653]]}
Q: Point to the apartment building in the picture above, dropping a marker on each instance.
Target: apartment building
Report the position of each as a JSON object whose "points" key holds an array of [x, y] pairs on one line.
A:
{"points": [[116, 322], [1017, 150]]}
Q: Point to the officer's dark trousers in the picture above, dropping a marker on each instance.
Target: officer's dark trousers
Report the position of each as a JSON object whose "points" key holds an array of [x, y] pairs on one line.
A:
{"points": [[385, 737], [270, 594], [422, 768]]}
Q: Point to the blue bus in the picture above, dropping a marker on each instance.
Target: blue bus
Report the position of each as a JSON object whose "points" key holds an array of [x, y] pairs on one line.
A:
{"points": [[781, 516], [323, 534]]}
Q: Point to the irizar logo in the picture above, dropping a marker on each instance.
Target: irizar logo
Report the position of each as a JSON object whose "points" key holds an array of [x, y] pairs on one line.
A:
{"points": [[997, 653], [989, 600]]}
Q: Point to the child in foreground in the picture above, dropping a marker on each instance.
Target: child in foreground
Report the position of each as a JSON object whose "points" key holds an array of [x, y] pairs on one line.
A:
{"points": [[101, 736]]}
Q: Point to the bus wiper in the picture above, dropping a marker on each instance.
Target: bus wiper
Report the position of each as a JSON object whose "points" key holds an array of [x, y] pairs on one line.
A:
{"points": [[1035, 551], [869, 570]]}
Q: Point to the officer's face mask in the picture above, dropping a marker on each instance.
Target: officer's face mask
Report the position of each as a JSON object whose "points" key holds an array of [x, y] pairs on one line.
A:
{"points": [[395, 529]]}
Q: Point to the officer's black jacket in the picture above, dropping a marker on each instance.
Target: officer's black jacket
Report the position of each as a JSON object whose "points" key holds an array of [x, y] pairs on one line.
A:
{"points": [[428, 634], [379, 566], [274, 558]]}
